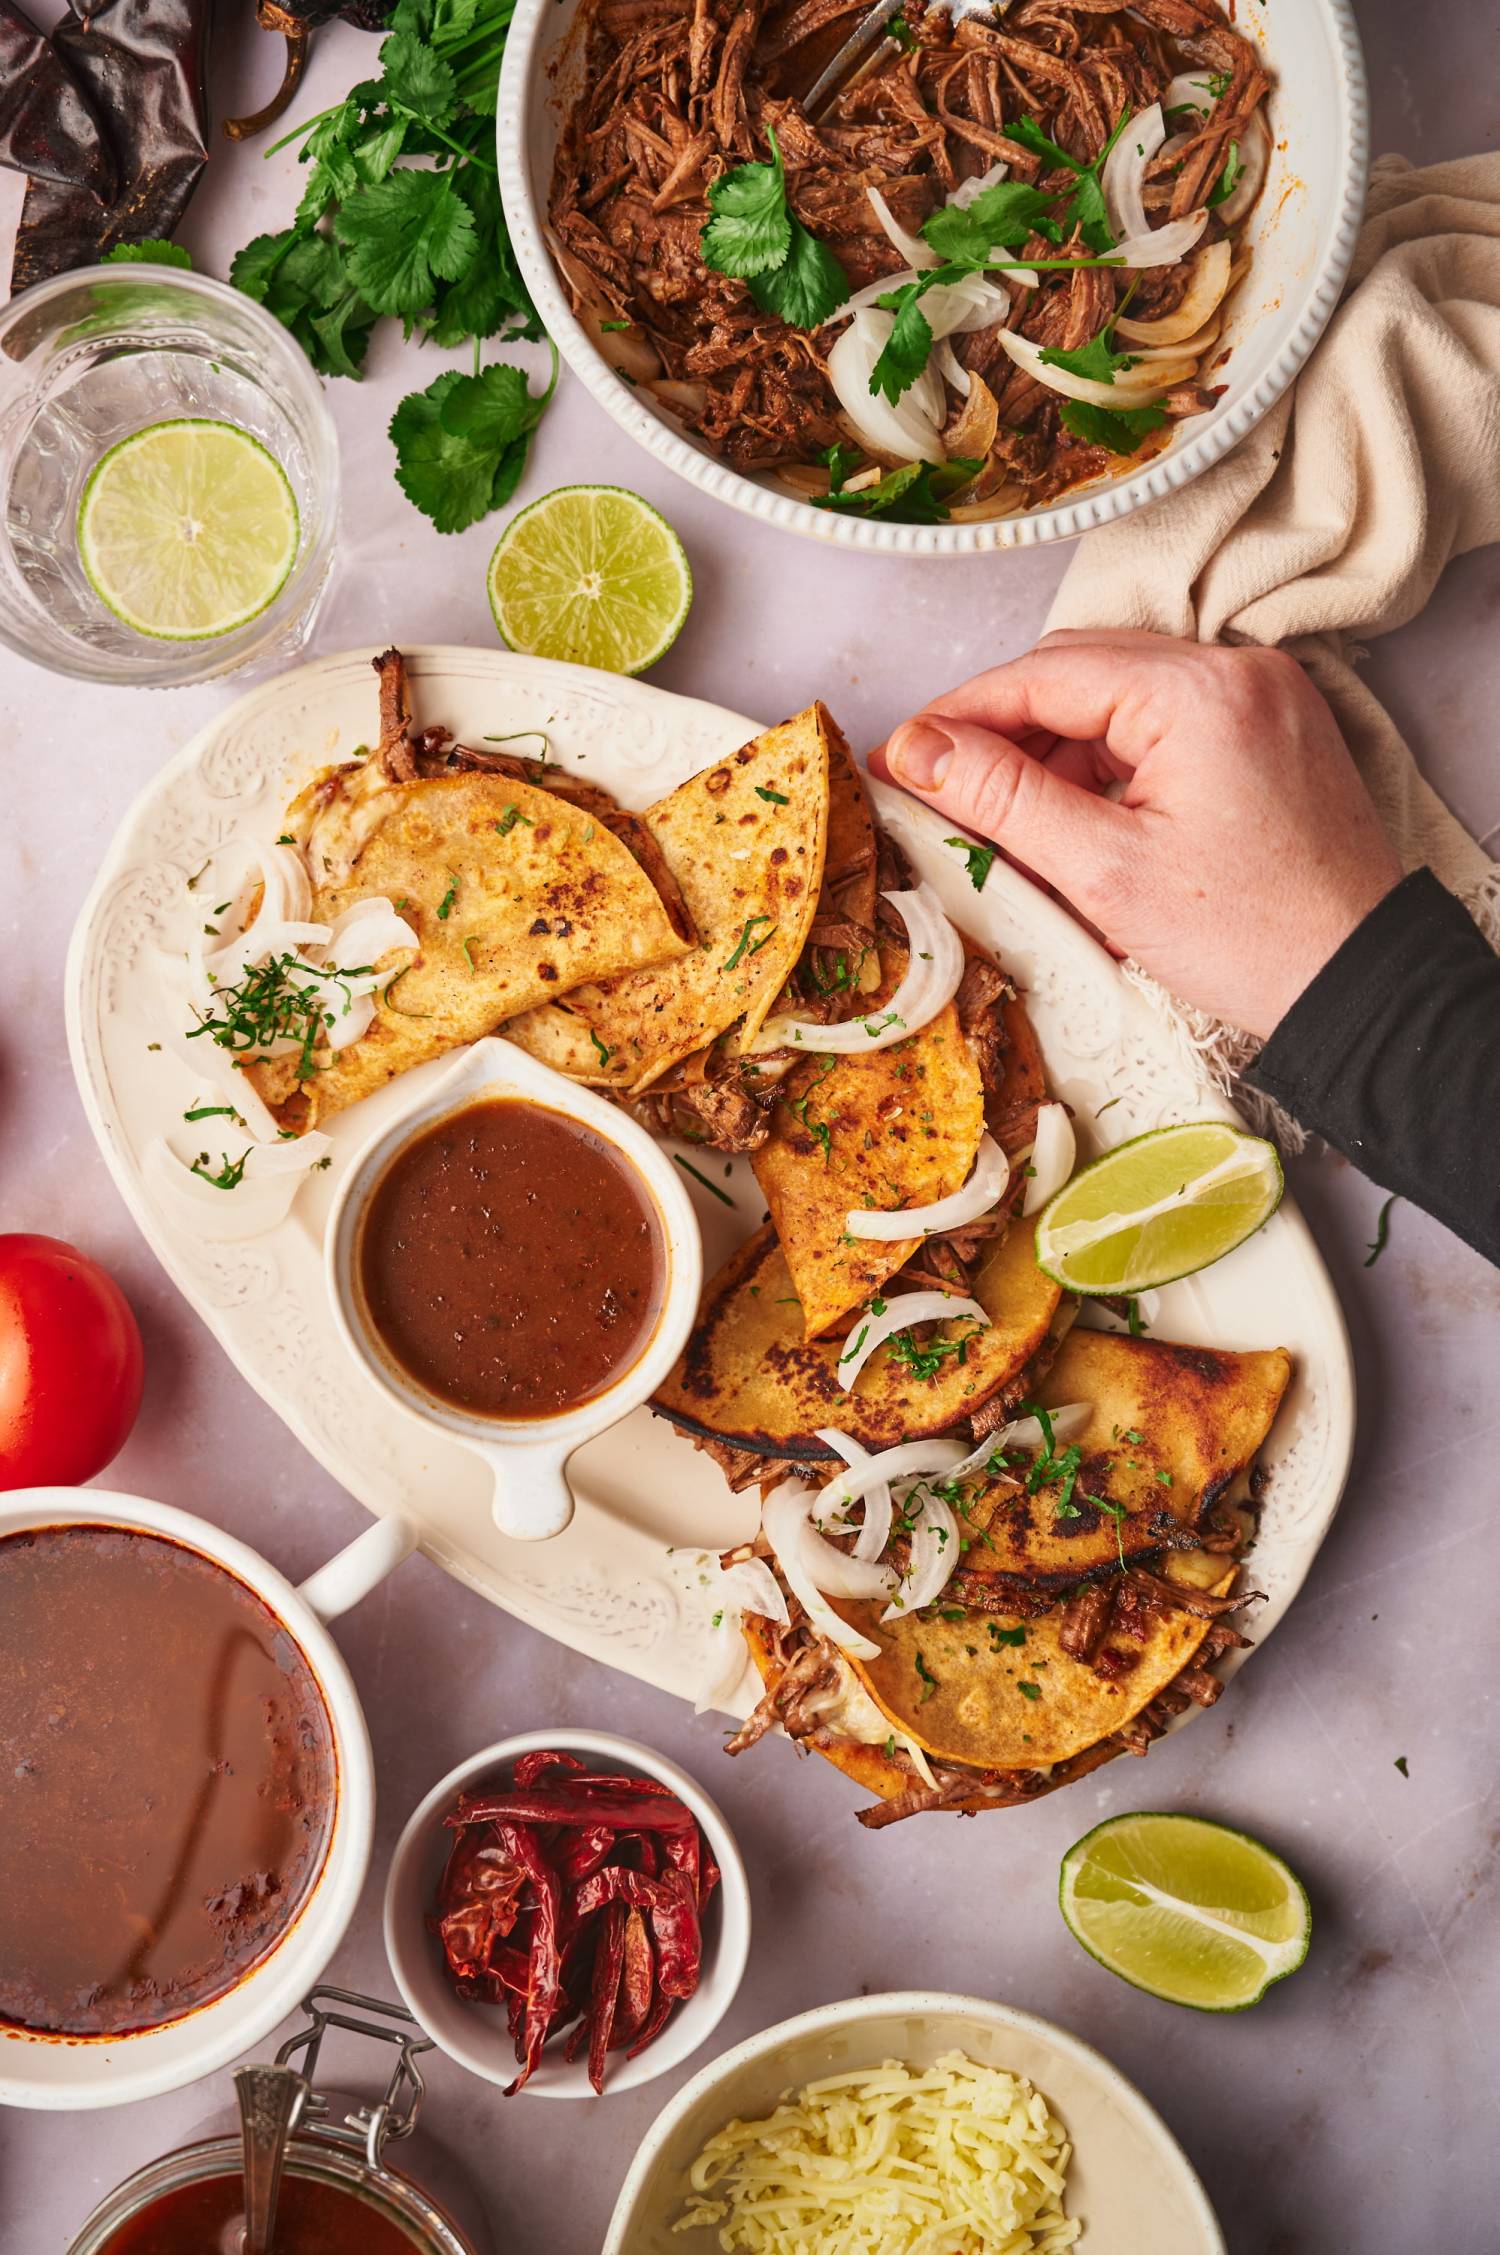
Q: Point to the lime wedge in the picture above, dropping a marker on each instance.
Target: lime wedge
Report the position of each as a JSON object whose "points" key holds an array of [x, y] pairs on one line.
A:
{"points": [[1158, 1207], [593, 574], [187, 529], [1188, 1910]]}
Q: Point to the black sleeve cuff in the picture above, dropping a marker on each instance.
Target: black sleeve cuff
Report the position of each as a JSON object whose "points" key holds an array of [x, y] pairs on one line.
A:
{"points": [[1393, 1055]]}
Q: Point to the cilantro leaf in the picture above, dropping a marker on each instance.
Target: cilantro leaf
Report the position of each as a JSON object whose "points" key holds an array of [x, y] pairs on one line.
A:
{"points": [[491, 293], [303, 280], [1030, 135], [402, 236], [1224, 186], [749, 230], [905, 352], [807, 287], [461, 445], [916, 494], [1121, 429], [1097, 360], [1085, 209], [752, 235], [979, 859], [154, 251], [1000, 218], [418, 80]]}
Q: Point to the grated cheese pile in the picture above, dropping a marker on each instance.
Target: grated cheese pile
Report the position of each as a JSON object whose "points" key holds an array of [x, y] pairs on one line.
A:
{"points": [[953, 2159]]}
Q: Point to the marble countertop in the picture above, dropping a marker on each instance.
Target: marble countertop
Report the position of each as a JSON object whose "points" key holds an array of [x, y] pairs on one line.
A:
{"points": [[1355, 2109]]}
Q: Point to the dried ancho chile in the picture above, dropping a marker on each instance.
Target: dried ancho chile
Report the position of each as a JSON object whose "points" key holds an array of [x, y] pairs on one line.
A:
{"points": [[297, 20], [109, 119], [575, 1900]]}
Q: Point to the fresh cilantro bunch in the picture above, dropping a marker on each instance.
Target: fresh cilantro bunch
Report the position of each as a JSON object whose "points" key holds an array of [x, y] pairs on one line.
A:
{"points": [[401, 212], [401, 217], [916, 494], [753, 234]]}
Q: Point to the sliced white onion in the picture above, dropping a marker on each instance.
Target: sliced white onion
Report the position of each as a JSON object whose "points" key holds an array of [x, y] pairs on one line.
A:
{"points": [[909, 431], [1255, 153], [1162, 246], [784, 1520], [956, 309], [1127, 390], [1124, 175], [968, 190], [1210, 281], [934, 1557], [260, 1200], [934, 972], [1053, 1156], [1190, 90], [978, 1196], [869, 1480], [1068, 1421], [901, 1311], [953, 370], [875, 1530], [915, 249], [748, 1586], [366, 931]]}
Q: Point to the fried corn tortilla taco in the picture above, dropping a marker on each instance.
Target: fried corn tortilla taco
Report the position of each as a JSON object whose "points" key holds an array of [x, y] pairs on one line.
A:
{"points": [[515, 893], [746, 841], [1169, 1431], [750, 1382], [896, 1127]]}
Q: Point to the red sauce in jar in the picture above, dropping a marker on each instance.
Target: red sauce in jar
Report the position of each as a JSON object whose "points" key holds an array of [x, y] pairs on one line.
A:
{"points": [[312, 2218], [511, 1261], [167, 1780]]}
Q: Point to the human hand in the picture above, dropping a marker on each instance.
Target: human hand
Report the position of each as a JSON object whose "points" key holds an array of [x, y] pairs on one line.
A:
{"points": [[1243, 849]]}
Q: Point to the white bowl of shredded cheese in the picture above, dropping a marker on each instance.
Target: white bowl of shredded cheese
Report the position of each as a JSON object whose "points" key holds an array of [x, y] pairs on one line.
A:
{"points": [[911, 2124]]}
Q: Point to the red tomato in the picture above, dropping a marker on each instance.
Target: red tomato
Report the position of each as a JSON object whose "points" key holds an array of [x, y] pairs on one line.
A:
{"points": [[71, 1364]]}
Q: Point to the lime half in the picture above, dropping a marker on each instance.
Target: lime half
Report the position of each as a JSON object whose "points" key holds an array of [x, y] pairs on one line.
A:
{"points": [[1158, 1207], [593, 574], [187, 529], [1188, 1910]]}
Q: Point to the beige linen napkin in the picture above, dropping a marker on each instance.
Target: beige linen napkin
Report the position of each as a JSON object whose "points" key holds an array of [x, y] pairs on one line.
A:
{"points": [[1332, 522]]}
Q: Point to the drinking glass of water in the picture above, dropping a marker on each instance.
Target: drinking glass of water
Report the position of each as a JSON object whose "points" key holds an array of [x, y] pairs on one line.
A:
{"points": [[169, 479]]}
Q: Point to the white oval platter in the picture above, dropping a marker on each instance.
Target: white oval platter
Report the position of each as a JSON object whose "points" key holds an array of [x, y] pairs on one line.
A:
{"points": [[625, 1584]]}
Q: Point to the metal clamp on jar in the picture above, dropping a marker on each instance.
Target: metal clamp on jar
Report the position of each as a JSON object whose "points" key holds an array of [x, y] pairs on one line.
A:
{"points": [[304, 2177]]}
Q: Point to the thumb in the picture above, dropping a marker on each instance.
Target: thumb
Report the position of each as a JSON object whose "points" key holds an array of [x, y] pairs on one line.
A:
{"points": [[1073, 839]]}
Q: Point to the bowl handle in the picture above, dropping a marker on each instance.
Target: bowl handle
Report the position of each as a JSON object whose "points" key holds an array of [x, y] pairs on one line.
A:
{"points": [[354, 1571], [532, 1499]]}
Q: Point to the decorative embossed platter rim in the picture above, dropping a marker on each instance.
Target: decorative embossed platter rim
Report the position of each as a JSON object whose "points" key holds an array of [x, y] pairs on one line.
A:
{"points": [[626, 1583]]}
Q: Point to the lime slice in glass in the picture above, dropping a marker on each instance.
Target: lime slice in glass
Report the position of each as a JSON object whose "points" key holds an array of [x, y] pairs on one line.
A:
{"points": [[1188, 1910], [187, 529], [1158, 1207], [593, 574]]}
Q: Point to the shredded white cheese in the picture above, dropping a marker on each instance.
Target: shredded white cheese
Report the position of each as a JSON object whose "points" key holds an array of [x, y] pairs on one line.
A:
{"points": [[953, 2159]]}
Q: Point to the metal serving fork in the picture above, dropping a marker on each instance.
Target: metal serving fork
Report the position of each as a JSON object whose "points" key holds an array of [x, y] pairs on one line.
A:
{"points": [[870, 44]]}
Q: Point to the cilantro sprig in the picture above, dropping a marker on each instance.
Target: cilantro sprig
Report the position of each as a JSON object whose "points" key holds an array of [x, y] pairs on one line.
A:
{"points": [[916, 494], [753, 235], [400, 218]]}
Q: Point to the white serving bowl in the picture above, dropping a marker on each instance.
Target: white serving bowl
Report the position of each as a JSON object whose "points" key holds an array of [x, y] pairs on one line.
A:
{"points": [[1129, 2180], [527, 1456], [1303, 230], [475, 2034]]}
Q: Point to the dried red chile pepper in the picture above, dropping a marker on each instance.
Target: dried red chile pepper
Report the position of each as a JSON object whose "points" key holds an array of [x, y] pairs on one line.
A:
{"points": [[297, 20], [573, 1899]]}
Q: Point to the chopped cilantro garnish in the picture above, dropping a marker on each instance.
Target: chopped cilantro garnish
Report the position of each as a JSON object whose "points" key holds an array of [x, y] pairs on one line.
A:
{"points": [[229, 1173], [929, 1681], [605, 1053], [688, 1168], [1016, 1636], [468, 944], [772, 798], [507, 823], [744, 944], [1377, 1243], [445, 905], [980, 859], [1401, 1765], [1029, 1690]]}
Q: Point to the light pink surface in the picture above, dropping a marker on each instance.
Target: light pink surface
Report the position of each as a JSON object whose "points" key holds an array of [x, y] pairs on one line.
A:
{"points": [[1354, 2110]]}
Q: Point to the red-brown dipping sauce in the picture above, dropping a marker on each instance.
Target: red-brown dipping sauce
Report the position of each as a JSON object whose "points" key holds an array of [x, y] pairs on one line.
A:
{"points": [[312, 2218], [510, 1262], [167, 1780]]}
